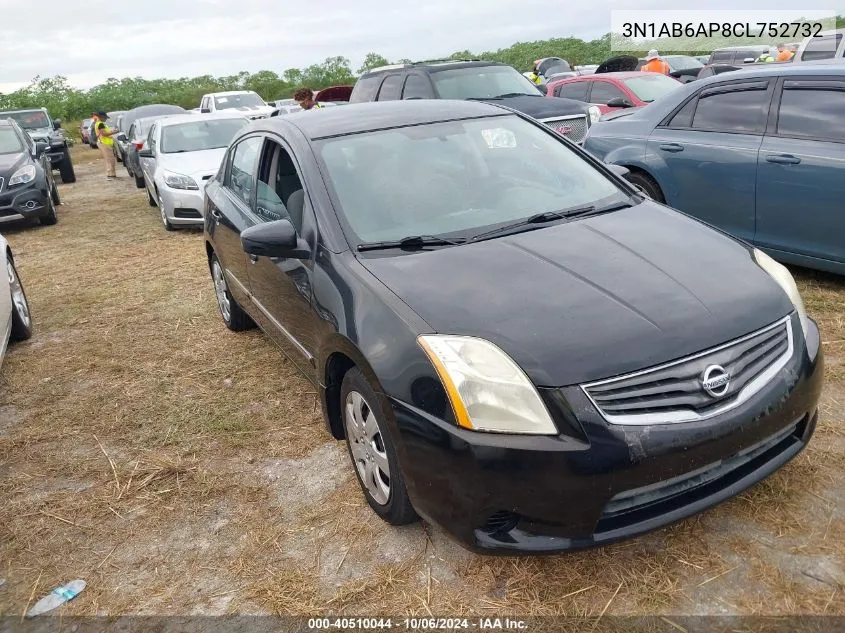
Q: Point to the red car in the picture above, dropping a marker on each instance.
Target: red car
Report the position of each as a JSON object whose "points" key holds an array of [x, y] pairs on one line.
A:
{"points": [[614, 90]]}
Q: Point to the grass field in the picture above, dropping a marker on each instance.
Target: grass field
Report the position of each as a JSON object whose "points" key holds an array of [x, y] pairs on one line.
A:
{"points": [[180, 468]]}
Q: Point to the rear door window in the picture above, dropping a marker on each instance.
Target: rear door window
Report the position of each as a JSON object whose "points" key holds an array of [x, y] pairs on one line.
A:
{"points": [[823, 47], [391, 89], [575, 90], [604, 91], [417, 87], [812, 109], [366, 89]]}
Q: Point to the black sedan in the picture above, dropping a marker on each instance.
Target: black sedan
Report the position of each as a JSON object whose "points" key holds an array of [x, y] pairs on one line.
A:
{"points": [[513, 341], [27, 187]]}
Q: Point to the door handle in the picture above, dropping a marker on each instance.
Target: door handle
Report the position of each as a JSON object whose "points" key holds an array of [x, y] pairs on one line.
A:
{"points": [[671, 147], [783, 159], [253, 258]]}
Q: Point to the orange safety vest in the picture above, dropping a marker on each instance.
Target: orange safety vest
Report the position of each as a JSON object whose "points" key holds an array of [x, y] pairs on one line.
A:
{"points": [[656, 66], [785, 56]]}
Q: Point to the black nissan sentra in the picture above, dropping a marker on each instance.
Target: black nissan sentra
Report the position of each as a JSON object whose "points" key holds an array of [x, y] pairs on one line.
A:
{"points": [[514, 342]]}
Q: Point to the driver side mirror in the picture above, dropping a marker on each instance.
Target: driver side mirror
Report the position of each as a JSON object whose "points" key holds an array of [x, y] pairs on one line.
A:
{"points": [[57, 123], [274, 239], [146, 153], [619, 102], [122, 137], [40, 148]]}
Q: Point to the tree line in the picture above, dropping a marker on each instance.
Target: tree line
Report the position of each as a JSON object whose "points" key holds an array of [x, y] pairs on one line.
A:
{"points": [[69, 103]]}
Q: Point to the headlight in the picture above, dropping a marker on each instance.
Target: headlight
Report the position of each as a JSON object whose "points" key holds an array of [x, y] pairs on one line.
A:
{"points": [[487, 390], [178, 181], [23, 175], [784, 279], [595, 114]]}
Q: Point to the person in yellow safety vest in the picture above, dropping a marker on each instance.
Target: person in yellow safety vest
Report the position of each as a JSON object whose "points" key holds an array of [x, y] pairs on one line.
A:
{"points": [[654, 64], [767, 57], [305, 98], [535, 75], [105, 142]]}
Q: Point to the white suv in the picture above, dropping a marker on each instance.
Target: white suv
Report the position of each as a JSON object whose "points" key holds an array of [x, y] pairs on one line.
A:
{"points": [[245, 102]]}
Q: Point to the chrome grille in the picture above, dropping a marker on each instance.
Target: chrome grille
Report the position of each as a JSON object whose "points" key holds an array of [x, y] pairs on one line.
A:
{"points": [[676, 392], [572, 127]]}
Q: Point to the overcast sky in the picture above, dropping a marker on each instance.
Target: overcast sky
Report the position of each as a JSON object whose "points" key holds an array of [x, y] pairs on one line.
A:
{"points": [[90, 41]]}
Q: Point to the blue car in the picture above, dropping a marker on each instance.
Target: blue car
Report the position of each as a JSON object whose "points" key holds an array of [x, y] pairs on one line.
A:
{"points": [[759, 153]]}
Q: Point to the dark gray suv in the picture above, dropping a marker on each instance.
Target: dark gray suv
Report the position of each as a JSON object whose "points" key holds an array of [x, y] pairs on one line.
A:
{"points": [[38, 124]]}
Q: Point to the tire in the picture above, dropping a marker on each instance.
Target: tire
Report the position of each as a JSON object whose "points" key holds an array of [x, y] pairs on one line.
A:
{"points": [[150, 199], [167, 225], [50, 218], [66, 169], [139, 182], [21, 317], [232, 314], [647, 184], [54, 194], [117, 156], [371, 450]]}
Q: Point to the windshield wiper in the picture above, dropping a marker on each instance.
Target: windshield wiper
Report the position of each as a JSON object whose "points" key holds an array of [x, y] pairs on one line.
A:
{"points": [[550, 216], [411, 242], [507, 95]]}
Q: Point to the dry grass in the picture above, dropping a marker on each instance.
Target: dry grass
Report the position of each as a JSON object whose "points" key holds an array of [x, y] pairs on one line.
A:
{"points": [[180, 468]]}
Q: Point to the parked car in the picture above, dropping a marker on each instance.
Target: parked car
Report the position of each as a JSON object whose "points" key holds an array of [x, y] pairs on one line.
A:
{"points": [[137, 123], [737, 55], [27, 187], [85, 130], [244, 102], [759, 153], [715, 69], [334, 95], [577, 374], [15, 318], [475, 81], [827, 45], [613, 86], [684, 68], [43, 129], [115, 121], [92, 135], [181, 153]]}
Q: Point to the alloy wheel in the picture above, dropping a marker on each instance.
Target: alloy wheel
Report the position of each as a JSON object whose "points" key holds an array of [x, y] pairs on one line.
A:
{"points": [[221, 290], [366, 444], [18, 297]]}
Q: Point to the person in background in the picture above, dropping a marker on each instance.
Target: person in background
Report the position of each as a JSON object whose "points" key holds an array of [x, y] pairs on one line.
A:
{"points": [[769, 57], [305, 98], [535, 73], [105, 142], [784, 54], [654, 64]]}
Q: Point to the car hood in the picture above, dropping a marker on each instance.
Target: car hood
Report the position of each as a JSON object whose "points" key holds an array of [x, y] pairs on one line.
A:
{"points": [[41, 132], [592, 298], [9, 163], [252, 111], [620, 63], [541, 107], [193, 163]]}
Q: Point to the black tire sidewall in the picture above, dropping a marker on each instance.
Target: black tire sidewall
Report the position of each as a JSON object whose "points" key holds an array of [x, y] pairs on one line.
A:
{"points": [[20, 332], [648, 185], [397, 510]]}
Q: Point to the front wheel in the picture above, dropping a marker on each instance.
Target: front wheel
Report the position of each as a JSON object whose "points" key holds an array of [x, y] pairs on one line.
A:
{"points": [[66, 169], [54, 194], [233, 314], [139, 182], [49, 218], [21, 318], [372, 451], [167, 225], [647, 184]]}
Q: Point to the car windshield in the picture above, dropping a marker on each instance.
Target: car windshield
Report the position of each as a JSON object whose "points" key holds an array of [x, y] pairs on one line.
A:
{"points": [[86, 122], [9, 141], [682, 62], [482, 82], [651, 86], [457, 178], [32, 120], [238, 101], [199, 135]]}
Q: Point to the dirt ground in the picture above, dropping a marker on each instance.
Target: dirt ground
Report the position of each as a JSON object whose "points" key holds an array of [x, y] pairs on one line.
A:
{"points": [[180, 468]]}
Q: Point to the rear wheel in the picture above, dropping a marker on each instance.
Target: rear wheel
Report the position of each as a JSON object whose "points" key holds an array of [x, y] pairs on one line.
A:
{"points": [[139, 182], [233, 315], [66, 168], [647, 184], [21, 318], [372, 451]]}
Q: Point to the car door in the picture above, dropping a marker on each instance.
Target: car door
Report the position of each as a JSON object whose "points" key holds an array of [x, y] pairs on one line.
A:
{"points": [[704, 154], [602, 92], [228, 200], [281, 287], [148, 165], [801, 170]]}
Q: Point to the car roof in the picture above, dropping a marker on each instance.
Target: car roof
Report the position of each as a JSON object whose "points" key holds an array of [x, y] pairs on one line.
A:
{"points": [[742, 48], [231, 92], [366, 117], [783, 69], [175, 119], [434, 66]]}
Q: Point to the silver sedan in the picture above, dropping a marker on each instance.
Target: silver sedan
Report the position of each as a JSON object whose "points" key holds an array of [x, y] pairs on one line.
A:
{"points": [[15, 320], [180, 154]]}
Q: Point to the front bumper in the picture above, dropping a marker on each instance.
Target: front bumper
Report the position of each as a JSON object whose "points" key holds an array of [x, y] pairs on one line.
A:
{"points": [[182, 207], [30, 201], [596, 482]]}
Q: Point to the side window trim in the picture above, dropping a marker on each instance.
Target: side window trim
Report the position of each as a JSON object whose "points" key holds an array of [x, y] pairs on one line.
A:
{"points": [[824, 82]]}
